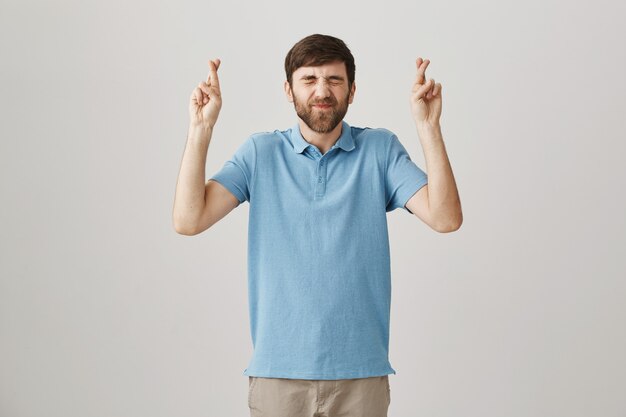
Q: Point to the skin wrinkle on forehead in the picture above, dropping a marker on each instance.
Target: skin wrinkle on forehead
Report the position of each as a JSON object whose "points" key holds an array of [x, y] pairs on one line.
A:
{"points": [[311, 71]]}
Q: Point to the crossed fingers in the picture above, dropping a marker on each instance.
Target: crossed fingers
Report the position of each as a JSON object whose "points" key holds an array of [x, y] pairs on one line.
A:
{"points": [[431, 88], [211, 87], [212, 78]]}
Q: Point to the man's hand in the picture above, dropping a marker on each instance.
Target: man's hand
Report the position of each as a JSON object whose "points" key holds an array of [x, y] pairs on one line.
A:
{"points": [[425, 97], [206, 100]]}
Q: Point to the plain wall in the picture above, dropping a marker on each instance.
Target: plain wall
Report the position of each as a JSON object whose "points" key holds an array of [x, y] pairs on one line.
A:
{"points": [[106, 311]]}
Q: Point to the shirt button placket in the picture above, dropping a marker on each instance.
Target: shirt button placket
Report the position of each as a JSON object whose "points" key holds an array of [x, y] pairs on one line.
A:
{"points": [[321, 178]]}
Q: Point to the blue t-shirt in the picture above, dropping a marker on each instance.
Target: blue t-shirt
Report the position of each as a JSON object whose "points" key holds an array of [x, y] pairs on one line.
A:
{"points": [[319, 280]]}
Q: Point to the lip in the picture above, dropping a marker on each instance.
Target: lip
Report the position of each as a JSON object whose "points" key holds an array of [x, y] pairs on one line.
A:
{"points": [[322, 106]]}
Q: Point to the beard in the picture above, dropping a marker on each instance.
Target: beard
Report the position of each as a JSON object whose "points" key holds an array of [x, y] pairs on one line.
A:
{"points": [[322, 121]]}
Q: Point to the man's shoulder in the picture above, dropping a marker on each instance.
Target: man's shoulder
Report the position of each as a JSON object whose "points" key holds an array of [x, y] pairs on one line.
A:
{"points": [[267, 142], [372, 135], [370, 131], [269, 136]]}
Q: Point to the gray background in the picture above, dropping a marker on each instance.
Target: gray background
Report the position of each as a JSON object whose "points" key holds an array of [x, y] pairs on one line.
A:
{"points": [[106, 311]]}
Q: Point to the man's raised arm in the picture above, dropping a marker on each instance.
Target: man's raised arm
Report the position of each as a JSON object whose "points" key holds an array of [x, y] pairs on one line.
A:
{"points": [[438, 203], [197, 206]]}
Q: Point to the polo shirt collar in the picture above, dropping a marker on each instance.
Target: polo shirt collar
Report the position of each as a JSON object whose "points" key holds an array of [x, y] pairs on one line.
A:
{"points": [[345, 141]]}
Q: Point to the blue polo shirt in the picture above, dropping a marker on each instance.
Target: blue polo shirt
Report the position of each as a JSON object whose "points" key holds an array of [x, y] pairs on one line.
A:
{"points": [[319, 281]]}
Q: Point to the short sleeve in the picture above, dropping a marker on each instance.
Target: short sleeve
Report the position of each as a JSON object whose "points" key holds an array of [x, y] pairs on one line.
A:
{"points": [[403, 177], [238, 172]]}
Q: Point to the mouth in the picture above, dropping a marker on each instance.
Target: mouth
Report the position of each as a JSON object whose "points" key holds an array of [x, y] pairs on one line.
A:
{"points": [[322, 106]]}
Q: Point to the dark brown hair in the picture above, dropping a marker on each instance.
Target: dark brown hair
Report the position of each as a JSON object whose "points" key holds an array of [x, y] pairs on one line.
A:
{"points": [[318, 50]]}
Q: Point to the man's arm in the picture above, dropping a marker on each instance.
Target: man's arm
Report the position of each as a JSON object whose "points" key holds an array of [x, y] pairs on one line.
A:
{"points": [[197, 206], [437, 203]]}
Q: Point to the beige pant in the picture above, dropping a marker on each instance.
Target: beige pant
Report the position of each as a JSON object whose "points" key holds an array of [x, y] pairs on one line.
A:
{"points": [[280, 397]]}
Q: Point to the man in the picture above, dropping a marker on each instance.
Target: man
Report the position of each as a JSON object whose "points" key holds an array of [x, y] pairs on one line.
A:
{"points": [[318, 249]]}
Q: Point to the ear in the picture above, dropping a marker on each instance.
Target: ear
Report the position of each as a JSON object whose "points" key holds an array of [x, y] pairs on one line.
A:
{"points": [[352, 91], [288, 92]]}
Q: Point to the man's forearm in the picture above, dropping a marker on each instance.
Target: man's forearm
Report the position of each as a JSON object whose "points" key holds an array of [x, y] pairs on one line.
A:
{"points": [[443, 196], [190, 187]]}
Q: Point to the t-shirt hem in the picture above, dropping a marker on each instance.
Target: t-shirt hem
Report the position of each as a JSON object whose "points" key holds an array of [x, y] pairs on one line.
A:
{"points": [[230, 187], [315, 375], [411, 192]]}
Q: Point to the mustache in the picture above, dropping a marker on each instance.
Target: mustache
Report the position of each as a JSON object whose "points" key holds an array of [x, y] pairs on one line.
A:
{"points": [[325, 102]]}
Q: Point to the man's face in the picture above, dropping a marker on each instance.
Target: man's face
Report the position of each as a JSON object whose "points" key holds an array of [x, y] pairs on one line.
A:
{"points": [[321, 95]]}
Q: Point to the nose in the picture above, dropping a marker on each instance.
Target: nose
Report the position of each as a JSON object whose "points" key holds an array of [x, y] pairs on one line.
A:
{"points": [[321, 88]]}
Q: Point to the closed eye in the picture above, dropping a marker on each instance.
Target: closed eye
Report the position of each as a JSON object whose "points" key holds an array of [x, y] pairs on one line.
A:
{"points": [[332, 80]]}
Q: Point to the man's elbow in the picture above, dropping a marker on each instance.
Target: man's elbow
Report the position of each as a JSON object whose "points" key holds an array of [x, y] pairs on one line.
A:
{"points": [[449, 225], [184, 231], [183, 228]]}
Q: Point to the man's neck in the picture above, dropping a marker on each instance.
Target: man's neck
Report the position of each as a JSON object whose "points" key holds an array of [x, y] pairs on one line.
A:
{"points": [[323, 141]]}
